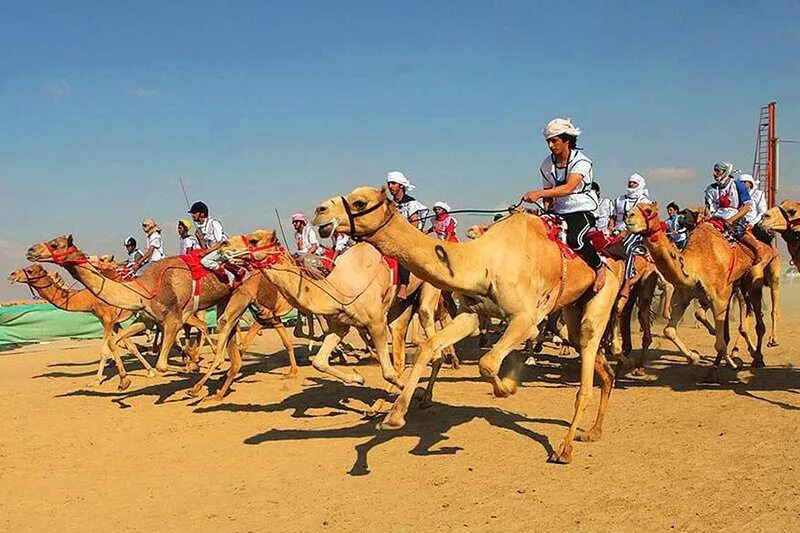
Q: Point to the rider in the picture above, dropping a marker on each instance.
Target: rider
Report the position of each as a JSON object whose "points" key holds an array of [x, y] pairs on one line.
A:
{"points": [[676, 231], [728, 199], [413, 211], [134, 254], [566, 179], [211, 237], [304, 236], [757, 208], [636, 194], [341, 242], [188, 241], [604, 211], [443, 224], [155, 245]]}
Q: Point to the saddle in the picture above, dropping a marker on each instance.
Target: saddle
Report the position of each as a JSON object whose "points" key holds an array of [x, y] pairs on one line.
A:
{"points": [[725, 230], [611, 247]]}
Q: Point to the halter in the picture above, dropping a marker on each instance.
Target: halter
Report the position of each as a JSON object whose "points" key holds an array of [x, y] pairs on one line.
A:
{"points": [[30, 282], [60, 256], [647, 218], [274, 253], [351, 218]]}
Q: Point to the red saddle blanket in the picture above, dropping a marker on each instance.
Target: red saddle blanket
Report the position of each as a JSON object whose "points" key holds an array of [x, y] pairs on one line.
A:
{"points": [[393, 267], [724, 229], [198, 271]]}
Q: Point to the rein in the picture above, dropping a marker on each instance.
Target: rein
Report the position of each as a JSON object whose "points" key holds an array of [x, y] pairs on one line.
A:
{"points": [[789, 234], [351, 218]]}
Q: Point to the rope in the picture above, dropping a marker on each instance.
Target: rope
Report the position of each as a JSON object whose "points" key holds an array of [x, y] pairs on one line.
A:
{"points": [[484, 211]]}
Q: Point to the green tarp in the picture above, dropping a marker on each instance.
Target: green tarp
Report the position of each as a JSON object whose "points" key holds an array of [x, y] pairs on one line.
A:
{"points": [[23, 324]]}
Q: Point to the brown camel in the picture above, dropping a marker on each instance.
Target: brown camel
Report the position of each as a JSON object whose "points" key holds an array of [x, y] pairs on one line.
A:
{"points": [[707, 270], [53, 289], [258, 293], [643, 288], [514, 271], [163, 291], [358, 293]]}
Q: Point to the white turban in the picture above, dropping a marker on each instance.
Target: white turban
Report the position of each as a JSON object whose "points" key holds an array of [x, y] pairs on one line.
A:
{"points": [[558, 126], [400, 178], [727, 169], [443, 205], [747, 177], [640, 190]]}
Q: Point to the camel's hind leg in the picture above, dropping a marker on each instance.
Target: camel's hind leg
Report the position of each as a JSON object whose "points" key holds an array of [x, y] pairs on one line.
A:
{"points": [[644, 302], [462, 326], [520, 328], [680, 301], [321, 361], [755, 291], [286, 339]]}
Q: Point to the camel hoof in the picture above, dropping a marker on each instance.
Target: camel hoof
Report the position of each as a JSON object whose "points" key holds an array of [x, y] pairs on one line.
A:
{"points": [[162, 369], [773, 344], [124, 383], [694, 358], [194, 392], [290, 374], [151, 373], [561, 458], [94, 383], [503, 388], [356, 379], [391, 424], [426, 402], [758, 363], [589, 436], [639, 371], [738, 363]]}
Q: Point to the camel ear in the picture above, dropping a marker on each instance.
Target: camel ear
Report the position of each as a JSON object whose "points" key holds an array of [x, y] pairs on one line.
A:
{"points": [[69, 239], [384, 190]]}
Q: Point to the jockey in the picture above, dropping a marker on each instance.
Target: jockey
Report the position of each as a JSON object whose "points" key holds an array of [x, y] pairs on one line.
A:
{"points": [[728, 199], [757, 209], [304, 237], [341, 242], [604, 211], [155, 245], [210, 236], [188, 241], [675, 228], [443, 224], [636, 194], [412, 210], [566, 180]]}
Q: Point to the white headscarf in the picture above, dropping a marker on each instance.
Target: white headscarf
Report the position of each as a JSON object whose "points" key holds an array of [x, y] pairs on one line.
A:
{"points": [[748, 177], [443, 205], [727, 168], [558, 126], [638, 192], [398, 177]]}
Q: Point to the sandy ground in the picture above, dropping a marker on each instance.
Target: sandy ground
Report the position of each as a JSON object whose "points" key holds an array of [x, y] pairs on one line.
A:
{"points": [[297, 454]]}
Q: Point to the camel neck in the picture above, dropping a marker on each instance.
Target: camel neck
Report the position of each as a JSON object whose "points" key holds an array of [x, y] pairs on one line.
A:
{"points": [[449, 265], [122, 295], [60, 297], [668, 259], [794, 250]]}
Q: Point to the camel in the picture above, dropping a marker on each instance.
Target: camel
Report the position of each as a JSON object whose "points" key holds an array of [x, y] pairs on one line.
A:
{"points": [[358, 293], [163, 291], [53, 289], [514, 271], [697, 273], [259, 293]]}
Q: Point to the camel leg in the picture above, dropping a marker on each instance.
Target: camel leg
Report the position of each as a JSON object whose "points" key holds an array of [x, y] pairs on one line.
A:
{"points": [[592, 326], [321, 361], [680, 301], [755, 297], [286, 339], [646, 314], [623, 321], [773, 275], [669, 291], [462, 326], [170, 326], [244, 341], [520, 328], [746, 317], [131, 346], [108, 344], [224, 337], [235, 357], [701, 317]]}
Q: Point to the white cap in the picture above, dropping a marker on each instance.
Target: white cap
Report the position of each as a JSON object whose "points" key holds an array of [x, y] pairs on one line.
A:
{"points": [[443, 205], [557, 126], [398, 177], [747, 177]]}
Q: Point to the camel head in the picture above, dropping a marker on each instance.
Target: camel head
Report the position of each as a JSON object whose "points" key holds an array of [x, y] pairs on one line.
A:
{"points": [[259, 248], [691, 217], [359, 214], [61, 251], [783, 217], [477, 230], [28, 274], [643, 219]]}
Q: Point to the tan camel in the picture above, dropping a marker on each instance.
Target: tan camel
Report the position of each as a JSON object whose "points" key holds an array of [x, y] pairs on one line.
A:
{"points": [[358, 293], [53, 289], [163, 291], [707, 270], [514, 271], [256, 291]]}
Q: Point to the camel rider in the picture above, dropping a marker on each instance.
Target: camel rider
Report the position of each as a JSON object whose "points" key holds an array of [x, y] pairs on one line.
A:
{"points": [[636, 194], [188, 241], [728, 199], [758, 207], [341, 243], [566, 180], [155, 245], [134, 254], [676, 231], [443, 225], [413, 211], [305, 237], [210, 236], [604, 211]]}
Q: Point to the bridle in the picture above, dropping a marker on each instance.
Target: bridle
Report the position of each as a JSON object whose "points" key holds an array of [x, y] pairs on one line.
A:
{"points": [[30, 282], [274, 253], [648, 218], [351, 218], [60, 256], [789, 234]]}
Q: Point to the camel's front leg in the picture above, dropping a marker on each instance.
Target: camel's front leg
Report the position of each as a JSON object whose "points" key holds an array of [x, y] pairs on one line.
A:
{"points": [[680, 301], [224, 337], [321, 361], [520, 328], [108, 344], [773, 275], [286, 339], [462, 326]]}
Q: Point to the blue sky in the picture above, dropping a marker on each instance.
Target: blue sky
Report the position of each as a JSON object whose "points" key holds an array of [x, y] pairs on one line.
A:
{"points": [[261, 105]]}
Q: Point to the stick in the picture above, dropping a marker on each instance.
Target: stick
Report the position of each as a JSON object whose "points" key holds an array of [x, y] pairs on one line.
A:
{"points": [[185, 196], [285, 243]]}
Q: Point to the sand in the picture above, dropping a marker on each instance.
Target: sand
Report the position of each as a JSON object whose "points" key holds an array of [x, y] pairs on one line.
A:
{"points": [[297, 455]]}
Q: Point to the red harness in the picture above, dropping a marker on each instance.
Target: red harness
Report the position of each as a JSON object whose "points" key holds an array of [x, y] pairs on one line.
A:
{"points": [[272, 256], [60, 256]]}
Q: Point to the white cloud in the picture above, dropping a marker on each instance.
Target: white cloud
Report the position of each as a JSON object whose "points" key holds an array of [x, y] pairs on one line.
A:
{"points": [[672, 174], [59, 89], [140, 92]]}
